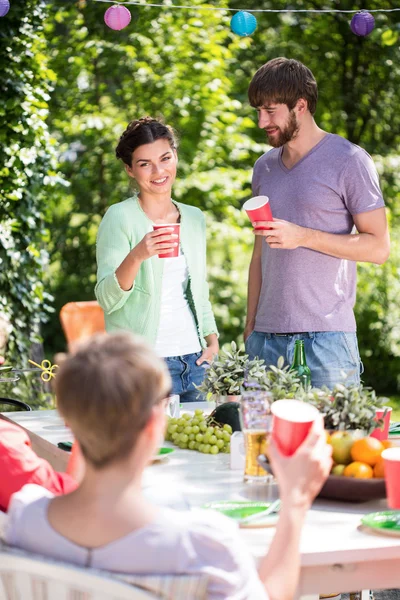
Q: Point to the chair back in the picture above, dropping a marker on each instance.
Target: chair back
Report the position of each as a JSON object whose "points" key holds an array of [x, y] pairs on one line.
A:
{"points": [[16, 404], [80, 320], [26, 578]]}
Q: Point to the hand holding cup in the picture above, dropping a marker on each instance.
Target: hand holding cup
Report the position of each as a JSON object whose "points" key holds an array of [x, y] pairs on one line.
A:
{"points": [[302, 475], [258, 209], [162, 241]]}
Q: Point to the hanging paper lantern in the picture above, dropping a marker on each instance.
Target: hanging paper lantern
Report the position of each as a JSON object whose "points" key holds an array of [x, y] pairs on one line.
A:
{"points": [[4, 7], [117, 17], [243, 23], [362, 23]]}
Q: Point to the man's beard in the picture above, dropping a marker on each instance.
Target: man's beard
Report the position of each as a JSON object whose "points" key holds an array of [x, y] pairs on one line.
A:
{"points": [[287, 134]]}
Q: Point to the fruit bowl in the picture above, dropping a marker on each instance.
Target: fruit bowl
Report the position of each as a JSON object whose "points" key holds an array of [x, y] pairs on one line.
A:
{"points": [[350, 489]]}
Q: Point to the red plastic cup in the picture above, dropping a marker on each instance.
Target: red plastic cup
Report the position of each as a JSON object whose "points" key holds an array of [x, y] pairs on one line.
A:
{"points": [[291, 422], [378, 433], [391, 457], [177, 230], [258, 209]]}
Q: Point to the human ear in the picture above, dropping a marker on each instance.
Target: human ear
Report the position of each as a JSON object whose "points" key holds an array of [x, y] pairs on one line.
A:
{"points": [[301, 106], [128, 169]]}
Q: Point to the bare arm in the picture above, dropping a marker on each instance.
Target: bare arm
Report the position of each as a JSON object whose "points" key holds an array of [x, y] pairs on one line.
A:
{"points": [[153, 243], [370, 244], [253, 287], [300, 478]]}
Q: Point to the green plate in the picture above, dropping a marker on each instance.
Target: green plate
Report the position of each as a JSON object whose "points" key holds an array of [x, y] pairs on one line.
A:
{"points": [[162, 454], [387, 522], [240, 509], [163, 451]]}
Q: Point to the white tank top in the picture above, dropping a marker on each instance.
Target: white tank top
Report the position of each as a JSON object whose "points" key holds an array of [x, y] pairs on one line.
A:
{"points": [[177, 331]]}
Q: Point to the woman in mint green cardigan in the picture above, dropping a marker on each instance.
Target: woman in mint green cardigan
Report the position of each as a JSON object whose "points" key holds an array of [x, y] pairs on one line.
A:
{"points": [[165, 300]]}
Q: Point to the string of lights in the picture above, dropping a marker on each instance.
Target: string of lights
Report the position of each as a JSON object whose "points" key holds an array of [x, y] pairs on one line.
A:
{"points": [[249, 10], [243, 22]]}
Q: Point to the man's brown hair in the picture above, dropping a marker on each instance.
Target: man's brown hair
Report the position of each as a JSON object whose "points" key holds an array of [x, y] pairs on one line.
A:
{"points": [[105, 392], [283, 81]]}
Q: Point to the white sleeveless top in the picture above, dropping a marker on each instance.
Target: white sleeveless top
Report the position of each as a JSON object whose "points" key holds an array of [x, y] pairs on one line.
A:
{"points": [[177, 332]]}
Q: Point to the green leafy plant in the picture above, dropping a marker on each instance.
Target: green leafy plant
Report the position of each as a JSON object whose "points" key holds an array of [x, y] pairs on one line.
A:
{"points": [[280, 381], [347, 406], [229, 370]]}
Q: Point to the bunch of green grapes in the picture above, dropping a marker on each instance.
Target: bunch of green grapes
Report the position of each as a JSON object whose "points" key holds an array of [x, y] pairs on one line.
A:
{"points": [[199, 432]]}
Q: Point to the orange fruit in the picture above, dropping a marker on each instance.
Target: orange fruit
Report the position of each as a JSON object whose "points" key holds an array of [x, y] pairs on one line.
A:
{"points": [[367, 450], [359, 470], [388, 444], [379, 468]]}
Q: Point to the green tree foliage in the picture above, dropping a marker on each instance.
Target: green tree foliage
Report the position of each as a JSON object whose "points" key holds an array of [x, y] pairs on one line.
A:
{"points": [[170, 63], [189, 67], [26, 174], [359, 94]]}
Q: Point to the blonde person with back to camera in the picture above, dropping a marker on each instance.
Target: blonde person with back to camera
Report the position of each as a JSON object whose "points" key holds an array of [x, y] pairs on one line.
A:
{"points": [[164, 299], [107, 522]]}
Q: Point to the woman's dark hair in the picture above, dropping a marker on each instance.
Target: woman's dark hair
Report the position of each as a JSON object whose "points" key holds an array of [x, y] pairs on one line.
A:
{"points": [[143, 131]]}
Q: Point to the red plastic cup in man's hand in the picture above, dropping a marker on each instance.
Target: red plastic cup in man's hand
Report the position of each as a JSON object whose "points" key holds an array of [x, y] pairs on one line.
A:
{"points": [[177, 231], [382, 433], [291, 423], [391, 457], [258, 209]]}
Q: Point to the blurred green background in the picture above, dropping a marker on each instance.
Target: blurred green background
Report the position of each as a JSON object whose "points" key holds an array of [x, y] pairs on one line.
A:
{"points": [[70, 85]]}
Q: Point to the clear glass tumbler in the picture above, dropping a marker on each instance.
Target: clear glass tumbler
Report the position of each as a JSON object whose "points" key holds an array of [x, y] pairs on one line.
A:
{"points": [[256, 420]]}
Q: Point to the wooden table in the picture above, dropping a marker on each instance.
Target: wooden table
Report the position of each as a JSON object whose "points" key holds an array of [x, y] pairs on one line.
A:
{"points": [[336, 554]]}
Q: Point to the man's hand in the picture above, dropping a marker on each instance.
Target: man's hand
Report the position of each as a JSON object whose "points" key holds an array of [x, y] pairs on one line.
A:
{"points": [[282, 234], [248, 330]]}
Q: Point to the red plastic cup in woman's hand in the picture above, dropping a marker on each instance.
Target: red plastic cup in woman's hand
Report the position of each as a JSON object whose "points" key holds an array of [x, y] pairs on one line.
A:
{"points": [[291, 422], [258, 209], [176, 227]]}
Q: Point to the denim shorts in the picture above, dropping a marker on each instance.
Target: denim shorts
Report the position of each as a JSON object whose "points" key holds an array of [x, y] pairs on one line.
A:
{"points": [[185, 374], [329, 354]]}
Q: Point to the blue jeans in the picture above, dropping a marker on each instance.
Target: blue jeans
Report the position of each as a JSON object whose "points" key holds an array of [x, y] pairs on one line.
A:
{"points": [[329, 354], [185, 374]]}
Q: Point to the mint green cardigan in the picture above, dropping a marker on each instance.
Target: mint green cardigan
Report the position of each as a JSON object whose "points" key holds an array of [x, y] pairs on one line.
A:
{"points": [[138, 310]]}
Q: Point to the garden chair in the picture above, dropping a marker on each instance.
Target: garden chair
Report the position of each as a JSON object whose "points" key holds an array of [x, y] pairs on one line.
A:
{"points": [[28, 576], [16, 404], [80, 320]]}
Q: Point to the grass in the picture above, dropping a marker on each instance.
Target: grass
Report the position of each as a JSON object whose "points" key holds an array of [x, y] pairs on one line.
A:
{"points": [[395, 404]]}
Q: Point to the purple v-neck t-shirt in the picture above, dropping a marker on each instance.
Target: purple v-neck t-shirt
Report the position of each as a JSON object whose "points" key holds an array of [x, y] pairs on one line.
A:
{"points": [[304, 290]]}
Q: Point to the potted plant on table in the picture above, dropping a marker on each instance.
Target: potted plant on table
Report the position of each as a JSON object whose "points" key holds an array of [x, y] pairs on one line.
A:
{"points": [[347, 407], [226, 374]]}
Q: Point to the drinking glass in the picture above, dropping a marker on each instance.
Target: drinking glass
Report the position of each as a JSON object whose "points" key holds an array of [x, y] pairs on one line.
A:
{"points": [[173, 406], [256, 421]]}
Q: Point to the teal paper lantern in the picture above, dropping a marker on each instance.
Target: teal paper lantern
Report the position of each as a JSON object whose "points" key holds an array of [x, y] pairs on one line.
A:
{"points": [[243, 23]]}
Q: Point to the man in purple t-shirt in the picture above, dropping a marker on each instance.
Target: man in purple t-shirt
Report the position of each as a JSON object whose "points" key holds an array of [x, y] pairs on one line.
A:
{"points": [[328, 214]]}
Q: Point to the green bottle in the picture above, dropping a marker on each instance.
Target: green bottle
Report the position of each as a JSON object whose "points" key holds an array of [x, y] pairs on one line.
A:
{"points": [[300, 364]]}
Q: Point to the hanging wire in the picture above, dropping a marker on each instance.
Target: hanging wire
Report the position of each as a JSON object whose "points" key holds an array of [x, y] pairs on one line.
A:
{"points": [[250, 10]]}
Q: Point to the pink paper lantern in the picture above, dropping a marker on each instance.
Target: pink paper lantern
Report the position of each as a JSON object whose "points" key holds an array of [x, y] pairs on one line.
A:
{"points": [[4, 7], [117, 17]]}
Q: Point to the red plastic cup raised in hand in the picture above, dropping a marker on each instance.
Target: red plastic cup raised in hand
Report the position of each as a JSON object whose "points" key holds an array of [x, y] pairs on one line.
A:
{"points": [[291, 422], [391, 457], [258, 209], [378, 433], [176, 230]]}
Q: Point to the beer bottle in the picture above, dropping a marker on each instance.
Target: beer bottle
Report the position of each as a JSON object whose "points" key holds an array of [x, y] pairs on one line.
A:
{"points": [[300, 364]]}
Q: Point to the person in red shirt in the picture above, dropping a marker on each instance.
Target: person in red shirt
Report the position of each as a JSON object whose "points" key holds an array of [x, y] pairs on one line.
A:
{"points": [[20, 465]]}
